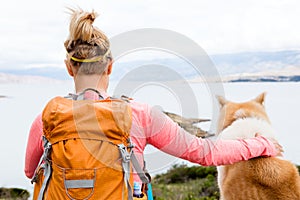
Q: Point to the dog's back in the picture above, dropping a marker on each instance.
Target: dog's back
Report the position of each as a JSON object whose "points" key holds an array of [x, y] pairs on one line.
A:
{"points": [[258, 178]]}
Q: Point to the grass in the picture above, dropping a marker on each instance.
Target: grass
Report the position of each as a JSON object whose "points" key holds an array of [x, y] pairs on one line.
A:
{"points": [[205, 189], [186, 183]]}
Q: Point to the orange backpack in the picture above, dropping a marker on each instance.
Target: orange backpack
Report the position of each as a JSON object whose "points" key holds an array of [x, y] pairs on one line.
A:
{"points": [[88, 153]]}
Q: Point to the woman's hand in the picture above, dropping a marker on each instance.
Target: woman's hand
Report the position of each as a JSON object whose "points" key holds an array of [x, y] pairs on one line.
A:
{"points": [[278, 147]]}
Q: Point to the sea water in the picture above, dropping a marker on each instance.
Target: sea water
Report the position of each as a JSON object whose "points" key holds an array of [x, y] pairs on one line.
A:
{"points": [[25, 101]]}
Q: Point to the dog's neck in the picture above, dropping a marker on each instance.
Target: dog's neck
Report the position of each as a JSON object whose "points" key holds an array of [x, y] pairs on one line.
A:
{"points": [[247, 128]]}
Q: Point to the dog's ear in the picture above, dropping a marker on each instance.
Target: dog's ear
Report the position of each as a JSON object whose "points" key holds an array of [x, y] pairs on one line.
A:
{"points": [[222, 100], [260, 98]]}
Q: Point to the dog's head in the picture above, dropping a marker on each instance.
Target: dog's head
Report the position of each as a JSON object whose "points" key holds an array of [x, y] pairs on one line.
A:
{"points": [[231, 111]]}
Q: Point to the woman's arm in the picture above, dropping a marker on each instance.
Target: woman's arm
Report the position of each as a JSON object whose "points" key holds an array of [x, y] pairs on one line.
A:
{"points": [[34, 149], [167, 136]]}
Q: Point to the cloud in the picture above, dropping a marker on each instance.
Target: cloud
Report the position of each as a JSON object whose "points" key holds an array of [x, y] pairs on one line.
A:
{"points": [[33, 31]]}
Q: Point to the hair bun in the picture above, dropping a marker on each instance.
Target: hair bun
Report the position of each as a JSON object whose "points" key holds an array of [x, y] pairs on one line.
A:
{"points": [[81, 26], [91, 16], [83, 35]]}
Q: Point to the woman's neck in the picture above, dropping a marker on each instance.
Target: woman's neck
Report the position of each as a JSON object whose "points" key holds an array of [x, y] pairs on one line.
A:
{"points": [[95, 81]]}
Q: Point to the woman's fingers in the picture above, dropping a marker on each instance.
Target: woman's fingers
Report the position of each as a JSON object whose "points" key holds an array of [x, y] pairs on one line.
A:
{"points": [[278, 147]]}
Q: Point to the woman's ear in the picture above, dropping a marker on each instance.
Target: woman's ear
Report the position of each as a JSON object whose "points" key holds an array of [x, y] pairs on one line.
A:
{"points": [[109, 68], [69, 68]]}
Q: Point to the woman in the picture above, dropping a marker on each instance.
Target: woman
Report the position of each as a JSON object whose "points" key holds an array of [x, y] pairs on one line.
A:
{"points": [[89, 62]]}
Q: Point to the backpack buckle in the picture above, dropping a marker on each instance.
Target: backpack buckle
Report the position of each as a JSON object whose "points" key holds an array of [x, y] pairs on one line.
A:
{"points": [[124, 153]]}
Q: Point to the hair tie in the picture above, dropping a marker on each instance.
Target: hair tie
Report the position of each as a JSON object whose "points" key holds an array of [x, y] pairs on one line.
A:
{"points": [[95, 59]]}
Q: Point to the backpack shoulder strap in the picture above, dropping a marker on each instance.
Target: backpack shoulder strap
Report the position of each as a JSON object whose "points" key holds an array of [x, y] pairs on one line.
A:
{"points": [[141, 173], [81, 96]]}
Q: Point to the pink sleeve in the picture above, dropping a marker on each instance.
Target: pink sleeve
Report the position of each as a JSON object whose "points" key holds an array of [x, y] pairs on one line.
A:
{"points": [[34, 149], [167, 136]]}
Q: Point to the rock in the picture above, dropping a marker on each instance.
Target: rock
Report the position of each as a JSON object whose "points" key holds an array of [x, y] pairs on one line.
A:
{"points": [[188, 124]]}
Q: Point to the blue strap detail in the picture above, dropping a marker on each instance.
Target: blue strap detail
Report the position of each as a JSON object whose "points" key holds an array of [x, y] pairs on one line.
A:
{"points": [[149, 192]]}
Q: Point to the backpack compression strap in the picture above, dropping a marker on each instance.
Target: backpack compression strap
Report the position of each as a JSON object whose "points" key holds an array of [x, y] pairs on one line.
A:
{"points": [[127, 157], [126, 167], [44, 164]]}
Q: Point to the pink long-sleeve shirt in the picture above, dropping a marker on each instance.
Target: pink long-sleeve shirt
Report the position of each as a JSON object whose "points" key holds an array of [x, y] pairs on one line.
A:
{"points": [[150, 126]]}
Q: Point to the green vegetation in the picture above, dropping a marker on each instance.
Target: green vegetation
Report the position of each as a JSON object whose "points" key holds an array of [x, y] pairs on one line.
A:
{"points": [[186, 183], [14, 194]]}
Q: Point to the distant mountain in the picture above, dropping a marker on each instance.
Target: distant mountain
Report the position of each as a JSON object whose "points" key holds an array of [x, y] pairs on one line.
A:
{"points": [[48, 72], [236, 67], [12, 78], [288, 74], [253, 62], [257, 66], [268, 79]]}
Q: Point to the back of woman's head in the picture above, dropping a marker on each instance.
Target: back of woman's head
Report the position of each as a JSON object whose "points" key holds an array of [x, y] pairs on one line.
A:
{"points": [[88, 48]]}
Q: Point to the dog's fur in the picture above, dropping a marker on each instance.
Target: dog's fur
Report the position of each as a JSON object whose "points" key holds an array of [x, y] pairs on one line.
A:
{"points": [[259, 178]]}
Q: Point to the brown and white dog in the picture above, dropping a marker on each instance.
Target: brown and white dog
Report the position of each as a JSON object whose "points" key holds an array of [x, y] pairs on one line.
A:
{"points": [[259, 178]]}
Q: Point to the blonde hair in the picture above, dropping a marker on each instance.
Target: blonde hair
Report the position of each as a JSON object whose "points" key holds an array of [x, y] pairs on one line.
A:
{"points": [[88, 47]]}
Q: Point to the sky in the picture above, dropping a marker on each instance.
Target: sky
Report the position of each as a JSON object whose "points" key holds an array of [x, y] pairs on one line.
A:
{"points": [[33, 31]]}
